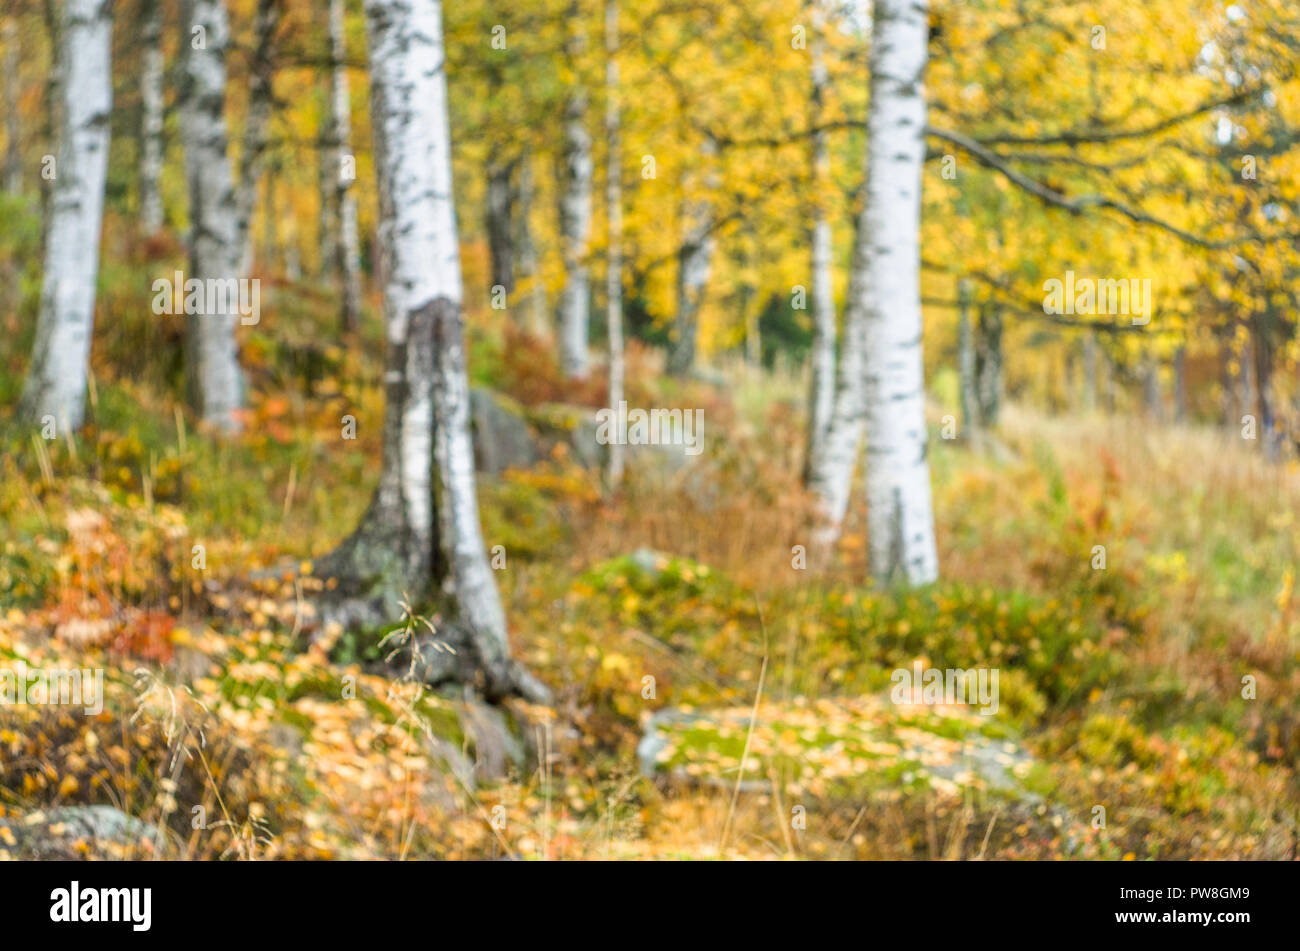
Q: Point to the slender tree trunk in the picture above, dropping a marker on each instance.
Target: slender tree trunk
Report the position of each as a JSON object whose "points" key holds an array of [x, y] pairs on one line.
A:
{"points": [[900, 520], [151, 118], [1070, 402], [253, 152], [1246, 382], [1151, 389], [966, 364], [988, 365], [348, 246], [293, 253], [270, 219], [13, 163], [821, 396], [1180, 384], [614, 213], [499, 219], [327, 172], [215, 380], [1263, 364], [56, 381], [694, 269], [422, 527], [749, 316], [575, 211], [53, 109], [1110, 383], [831, 475], [1228, 400], [1090, 372], [537, 316]]}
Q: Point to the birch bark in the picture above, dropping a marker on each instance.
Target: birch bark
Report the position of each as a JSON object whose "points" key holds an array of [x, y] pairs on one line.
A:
{"points": [[900, 520], [614, 211], [575, 213], [56, 381], [422, 527], [821, 397], [216, 383], [348, 246], [151, 121]]}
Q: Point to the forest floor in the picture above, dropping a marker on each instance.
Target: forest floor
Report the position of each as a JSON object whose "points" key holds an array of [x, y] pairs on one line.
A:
{"points": [[1145, 710]]}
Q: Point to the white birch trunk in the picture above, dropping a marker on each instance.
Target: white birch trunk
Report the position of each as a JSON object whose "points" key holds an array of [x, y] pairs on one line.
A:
{"points": [[821, 397], [215, 379], [575, 213], [900, 520], [614, 211], [151, 120], [56, 382], [348, 247], [425, 506], [831, 473]]}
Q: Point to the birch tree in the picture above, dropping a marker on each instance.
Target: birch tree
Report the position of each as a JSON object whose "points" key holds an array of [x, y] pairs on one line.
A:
{"points": [[216, 383], [614, 211], [821, 396], [151, 117], [347, 248], [900, 520], [421, 532], [575, 210], [56, 381], [833, 462], [881, 383]]}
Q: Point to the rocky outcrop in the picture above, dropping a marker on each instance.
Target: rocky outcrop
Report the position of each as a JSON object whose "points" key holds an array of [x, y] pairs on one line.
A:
{"points": [[78, 832]]}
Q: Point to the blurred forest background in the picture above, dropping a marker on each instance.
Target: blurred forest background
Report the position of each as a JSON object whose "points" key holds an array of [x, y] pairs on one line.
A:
{"points": [[367, 580]]}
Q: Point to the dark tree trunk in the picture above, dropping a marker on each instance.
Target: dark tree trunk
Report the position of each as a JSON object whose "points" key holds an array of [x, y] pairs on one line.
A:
{"points": [[967, 365], [988, 365], [1180, 385], [1090, 370], [1151, 389], [500, 222]]}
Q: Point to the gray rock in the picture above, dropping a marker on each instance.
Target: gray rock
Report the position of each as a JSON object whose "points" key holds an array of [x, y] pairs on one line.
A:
{"points": [[502, 437], [495, 745], [577, 427], [55, 833]]}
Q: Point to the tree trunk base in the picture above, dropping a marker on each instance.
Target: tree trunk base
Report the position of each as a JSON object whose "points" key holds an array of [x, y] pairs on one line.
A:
{"points": [[377, 586]]}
